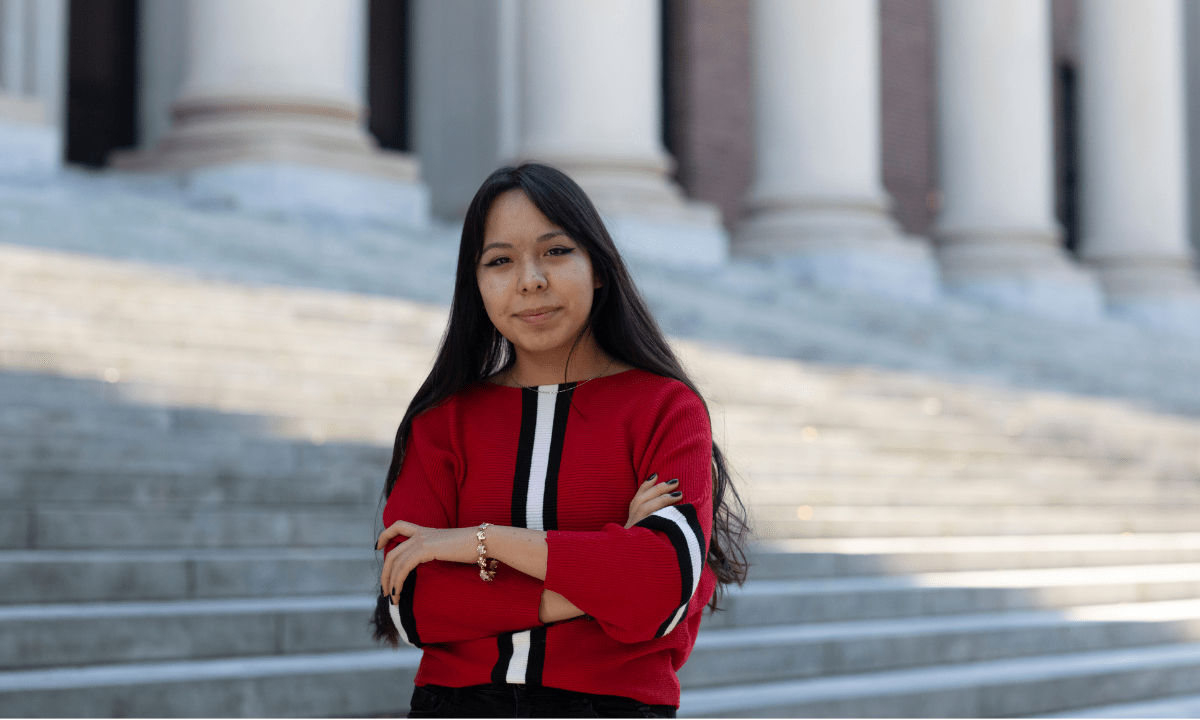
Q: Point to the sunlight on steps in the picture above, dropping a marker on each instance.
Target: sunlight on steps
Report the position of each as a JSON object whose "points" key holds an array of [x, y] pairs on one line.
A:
{"points": [[927, 546]]}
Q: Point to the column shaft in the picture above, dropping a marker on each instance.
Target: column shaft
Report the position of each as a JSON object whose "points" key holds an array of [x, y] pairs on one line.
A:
{"points": [[13, 34], [817, 196], [591, 104], [591, 91], [32, 65], [270, 112], [1134, 177], [817, 130], [998, 240]]}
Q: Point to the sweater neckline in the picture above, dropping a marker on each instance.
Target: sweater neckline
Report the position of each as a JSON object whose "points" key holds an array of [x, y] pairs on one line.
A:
{"points": [[555, 385]]}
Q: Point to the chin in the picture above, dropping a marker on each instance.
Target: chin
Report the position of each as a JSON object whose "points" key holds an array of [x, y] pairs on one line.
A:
{"points": [[542, 343]]}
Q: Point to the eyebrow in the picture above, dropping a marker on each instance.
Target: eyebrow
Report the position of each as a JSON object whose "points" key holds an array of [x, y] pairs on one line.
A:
{"points": [[548, 236]]}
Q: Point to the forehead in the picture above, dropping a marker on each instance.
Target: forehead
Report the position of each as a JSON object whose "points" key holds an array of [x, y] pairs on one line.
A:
{"points": [[514, 217]]}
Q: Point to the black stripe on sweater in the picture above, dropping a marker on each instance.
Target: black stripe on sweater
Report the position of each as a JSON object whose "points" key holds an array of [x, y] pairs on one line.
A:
{"points": [[500, 670], [408, 618], [537, 656], [676, 532], [529, 405], [562, 410]]}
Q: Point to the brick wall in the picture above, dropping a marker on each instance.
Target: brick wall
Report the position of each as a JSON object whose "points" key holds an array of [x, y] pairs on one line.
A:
{"points": [[710, 100]]}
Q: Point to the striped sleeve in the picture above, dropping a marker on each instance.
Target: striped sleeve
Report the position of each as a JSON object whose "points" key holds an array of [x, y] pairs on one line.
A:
{"points": [[640, 582], [445, 601], [682, 527]]}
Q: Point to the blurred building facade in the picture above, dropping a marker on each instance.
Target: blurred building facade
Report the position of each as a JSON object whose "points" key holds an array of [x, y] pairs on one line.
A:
{"points": [[1024, 153]]}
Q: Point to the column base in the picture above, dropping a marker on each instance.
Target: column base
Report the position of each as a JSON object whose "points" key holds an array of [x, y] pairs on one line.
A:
{"points": [[647, 214], [861, 251], [1156, 293], [28, 147], [691, 234], [296, 190], [1033, 277], [288, 156]]}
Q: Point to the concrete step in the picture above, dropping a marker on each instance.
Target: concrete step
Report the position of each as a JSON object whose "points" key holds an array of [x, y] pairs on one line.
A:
{"points": [[290, 349], [233, 364], [878, 491], [853, 557], [43, 576], [60, 526], [921, 441], [122, 444], [213, 314], [181, 452], [60, 635], [983, 513], [375, 682], [782, 462], [197, 374], [790, 652], [294, 480], [1175, 706], [831, 328], [998, 688], [949, 412], [935, 524], [762, 603]]}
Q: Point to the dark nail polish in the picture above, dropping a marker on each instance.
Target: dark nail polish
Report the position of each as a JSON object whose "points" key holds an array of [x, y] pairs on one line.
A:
{"points": [[654, 476], [677, 493], [673, 482]]}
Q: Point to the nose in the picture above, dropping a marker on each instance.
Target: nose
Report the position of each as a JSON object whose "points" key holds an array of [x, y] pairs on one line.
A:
{"points": [[532, 277]]}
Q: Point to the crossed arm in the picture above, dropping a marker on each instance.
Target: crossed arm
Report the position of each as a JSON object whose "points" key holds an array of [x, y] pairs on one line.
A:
{"points": [[522, 549]]}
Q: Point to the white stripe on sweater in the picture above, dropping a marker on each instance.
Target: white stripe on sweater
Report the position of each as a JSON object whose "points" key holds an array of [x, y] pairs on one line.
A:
{"points": [[540, 462], [394, 611], [694, 543], [520, 658]]}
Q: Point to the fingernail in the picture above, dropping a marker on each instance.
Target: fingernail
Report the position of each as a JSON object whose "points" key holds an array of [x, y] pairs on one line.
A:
{"points": [[653, 477], [673, 482], [677, 493]]}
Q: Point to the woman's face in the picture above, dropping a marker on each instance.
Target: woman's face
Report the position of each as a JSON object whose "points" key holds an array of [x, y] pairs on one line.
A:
{"points": [[536, 282]]}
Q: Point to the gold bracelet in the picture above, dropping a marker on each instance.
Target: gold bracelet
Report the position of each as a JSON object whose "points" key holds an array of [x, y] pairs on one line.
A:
{"points": [[485, 574]]}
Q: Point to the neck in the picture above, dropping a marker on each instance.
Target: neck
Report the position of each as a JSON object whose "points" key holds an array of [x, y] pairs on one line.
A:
{"points": [[535, 369]]}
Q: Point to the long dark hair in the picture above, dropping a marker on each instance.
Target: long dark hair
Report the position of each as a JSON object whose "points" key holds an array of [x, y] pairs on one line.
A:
{"points": [[472, 349]]}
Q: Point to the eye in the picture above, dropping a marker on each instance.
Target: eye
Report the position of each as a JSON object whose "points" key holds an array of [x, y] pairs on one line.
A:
{"points": [[497, 261], [560, 250]]}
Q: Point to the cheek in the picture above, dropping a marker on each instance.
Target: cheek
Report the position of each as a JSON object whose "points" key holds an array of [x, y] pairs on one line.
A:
{"points": [[492, 288], [583, 286]]}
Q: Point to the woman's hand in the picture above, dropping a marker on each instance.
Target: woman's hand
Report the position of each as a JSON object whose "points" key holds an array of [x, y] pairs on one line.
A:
{"points": [[651, 498], [423, 544]]}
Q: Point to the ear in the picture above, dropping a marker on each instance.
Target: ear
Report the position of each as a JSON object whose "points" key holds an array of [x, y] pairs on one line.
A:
{"points": [[597, 283]]}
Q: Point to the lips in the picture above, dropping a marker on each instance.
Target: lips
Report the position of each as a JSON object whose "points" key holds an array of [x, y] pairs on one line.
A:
{"points": [[537, 316]]}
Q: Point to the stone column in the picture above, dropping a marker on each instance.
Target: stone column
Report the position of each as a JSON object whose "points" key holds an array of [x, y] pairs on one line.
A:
{"points": [[817, 201], [32, 81], [591, 104], [1133, 161], [998, 239], [271, 113]]}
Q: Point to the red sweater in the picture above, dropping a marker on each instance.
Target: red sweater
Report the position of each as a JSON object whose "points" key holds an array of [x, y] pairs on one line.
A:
{"points": [[568, 463]]}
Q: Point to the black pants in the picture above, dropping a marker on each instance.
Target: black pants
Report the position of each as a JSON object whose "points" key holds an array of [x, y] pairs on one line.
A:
{"points": [[521, 701]]}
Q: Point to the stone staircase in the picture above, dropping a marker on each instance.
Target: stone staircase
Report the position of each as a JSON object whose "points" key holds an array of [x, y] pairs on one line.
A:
{"points": [[190, 469]]}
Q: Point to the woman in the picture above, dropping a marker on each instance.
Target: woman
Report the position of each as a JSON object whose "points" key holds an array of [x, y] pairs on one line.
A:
{"points": [[554, 486]]}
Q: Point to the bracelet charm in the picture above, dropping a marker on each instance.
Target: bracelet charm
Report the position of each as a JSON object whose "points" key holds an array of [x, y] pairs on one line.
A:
{"points": [[487, 568]]}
